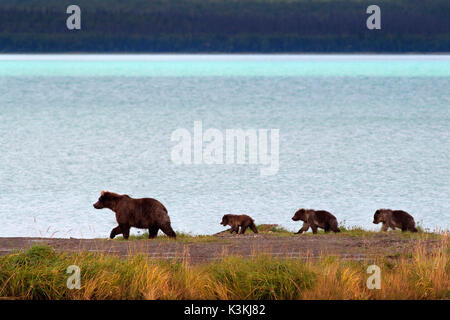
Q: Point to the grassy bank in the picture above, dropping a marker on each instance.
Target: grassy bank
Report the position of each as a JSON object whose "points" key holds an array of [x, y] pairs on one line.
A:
{"points": [[40, 273], [278, 231]]}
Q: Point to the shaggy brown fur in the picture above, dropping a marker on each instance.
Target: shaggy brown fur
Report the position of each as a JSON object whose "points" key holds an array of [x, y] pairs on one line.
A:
{"points": [[236, 221], [394, 219], [143, 213], [316, 219]]}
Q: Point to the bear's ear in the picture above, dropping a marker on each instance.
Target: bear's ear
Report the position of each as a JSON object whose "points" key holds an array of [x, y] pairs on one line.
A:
{"points": [[103, 193]]}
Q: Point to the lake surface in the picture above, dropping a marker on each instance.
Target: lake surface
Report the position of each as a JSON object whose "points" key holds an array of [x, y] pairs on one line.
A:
{"points": [[357, 133]]}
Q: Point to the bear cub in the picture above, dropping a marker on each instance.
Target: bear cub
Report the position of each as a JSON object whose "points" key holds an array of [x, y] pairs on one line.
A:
{"points": [[235, 221], [316, 219]]}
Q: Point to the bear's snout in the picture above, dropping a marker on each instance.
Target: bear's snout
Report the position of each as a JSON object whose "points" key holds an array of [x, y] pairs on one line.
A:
{"points": [[97, 205]]}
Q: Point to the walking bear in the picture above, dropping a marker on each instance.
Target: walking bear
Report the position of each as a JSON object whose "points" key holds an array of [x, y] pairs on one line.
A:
{"points": [[394, 219], [236, 221], [146, 213], [316, 219]]}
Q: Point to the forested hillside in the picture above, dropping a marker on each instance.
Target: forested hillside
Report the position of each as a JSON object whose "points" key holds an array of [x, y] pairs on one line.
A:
{"points": [[224, 26]]}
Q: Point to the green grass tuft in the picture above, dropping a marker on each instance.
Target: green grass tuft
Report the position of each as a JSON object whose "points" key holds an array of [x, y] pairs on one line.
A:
{"points": [[262, 277]]}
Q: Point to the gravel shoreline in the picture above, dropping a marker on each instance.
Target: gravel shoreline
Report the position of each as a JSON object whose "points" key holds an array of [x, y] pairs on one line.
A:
{"points": [[390, 245]]}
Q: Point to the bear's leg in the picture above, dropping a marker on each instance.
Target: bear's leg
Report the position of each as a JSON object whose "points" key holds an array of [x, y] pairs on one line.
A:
{"points": [[314, 228], [385, 227], [327, 227], [152, 232], [167, 229], [304, 228], [243, 228], [125, 231], [115, 232]]}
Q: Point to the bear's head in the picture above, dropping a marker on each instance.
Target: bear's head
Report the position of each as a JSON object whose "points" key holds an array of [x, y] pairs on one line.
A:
{"points": [[225, 219], [106, 200], [301, 214], [380, 216]]}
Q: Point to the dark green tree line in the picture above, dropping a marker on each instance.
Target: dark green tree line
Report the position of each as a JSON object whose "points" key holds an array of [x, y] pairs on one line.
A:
{"points": [[224, 26]]}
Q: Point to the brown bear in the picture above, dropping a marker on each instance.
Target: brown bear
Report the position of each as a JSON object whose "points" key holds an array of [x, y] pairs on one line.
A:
{"points": [[236, 221], [394, 219], [316, 219], [143, 213]]}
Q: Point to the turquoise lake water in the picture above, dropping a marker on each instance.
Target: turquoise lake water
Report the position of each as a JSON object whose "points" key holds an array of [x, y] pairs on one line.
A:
{"points": [[357, 133]]}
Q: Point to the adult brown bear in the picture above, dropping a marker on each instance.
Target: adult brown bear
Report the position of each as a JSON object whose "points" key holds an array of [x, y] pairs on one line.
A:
{"points": [[316, 219], [394, 219], [146, 213], [236, 221]]}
